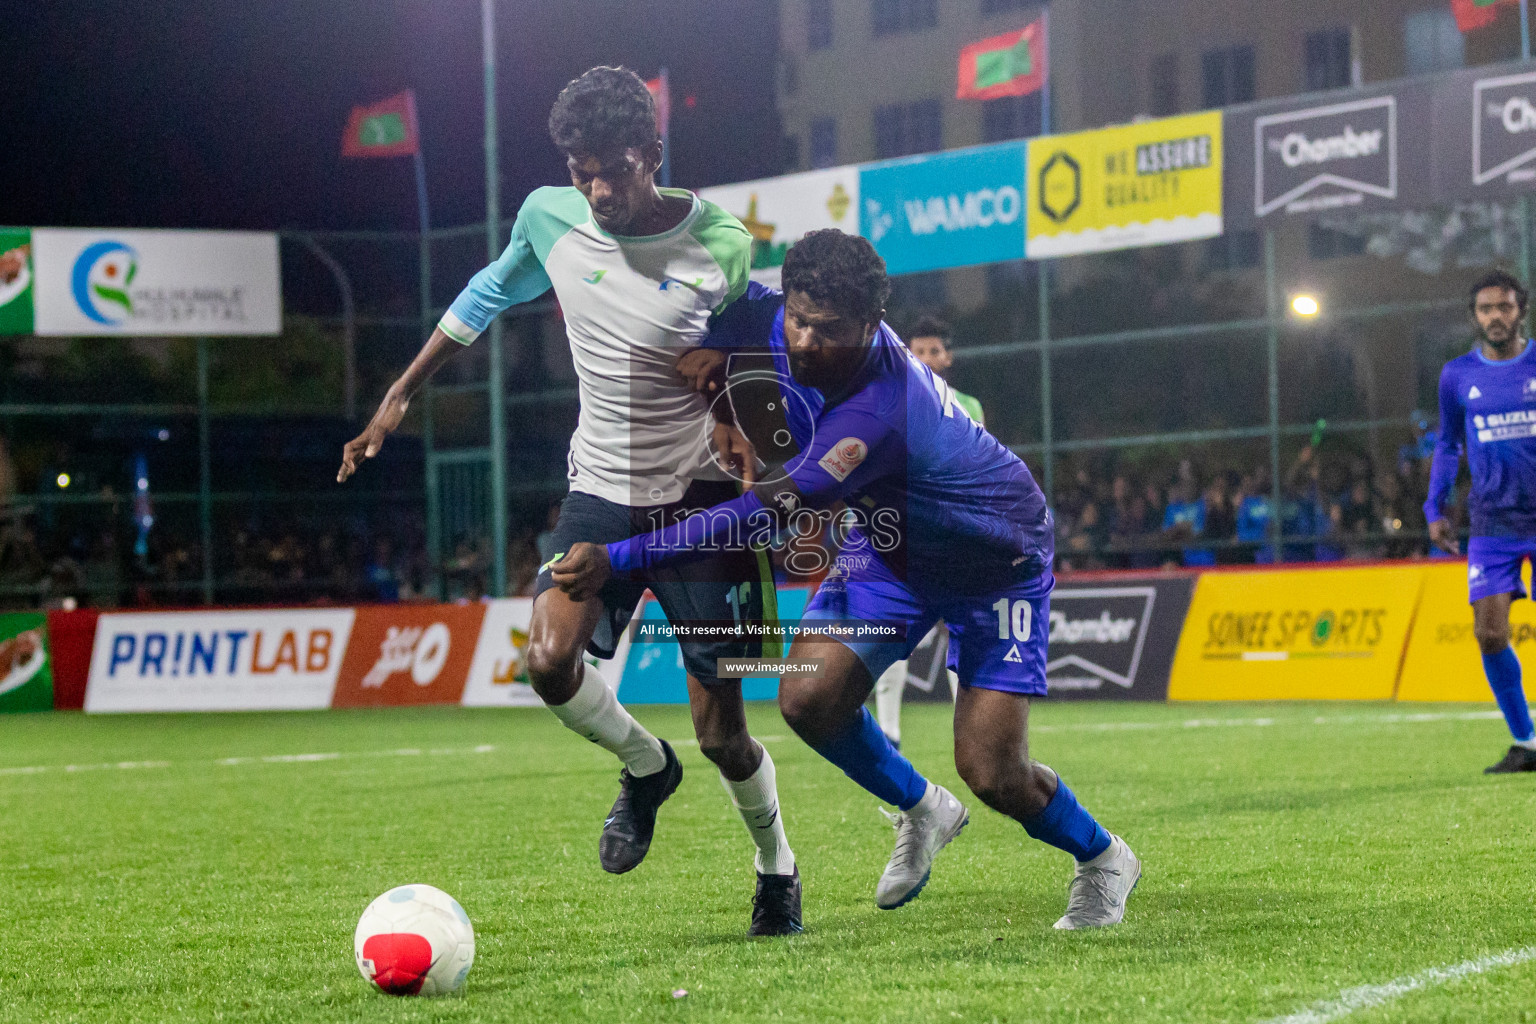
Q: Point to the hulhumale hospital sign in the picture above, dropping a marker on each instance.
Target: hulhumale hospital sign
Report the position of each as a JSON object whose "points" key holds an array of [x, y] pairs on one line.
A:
{"points": [[78, 282]]}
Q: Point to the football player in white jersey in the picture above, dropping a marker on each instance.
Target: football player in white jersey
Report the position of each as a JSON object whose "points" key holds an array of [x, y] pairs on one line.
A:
{"points": [[638, 271]]}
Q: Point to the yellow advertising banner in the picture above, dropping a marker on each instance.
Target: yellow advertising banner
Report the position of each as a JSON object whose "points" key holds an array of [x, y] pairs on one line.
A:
{"points": [[1443, 661], [1115, 188], [1307, 634]]}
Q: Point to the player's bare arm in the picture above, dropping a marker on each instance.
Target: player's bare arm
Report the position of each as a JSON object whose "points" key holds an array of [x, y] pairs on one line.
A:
{"points": [[386, 420], [1443, 536]]}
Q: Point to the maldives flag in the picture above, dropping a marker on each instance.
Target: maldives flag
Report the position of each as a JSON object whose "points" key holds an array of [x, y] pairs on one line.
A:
{"points": [[662, 95], [1471, 14], [1012, 64], [386, 128]]}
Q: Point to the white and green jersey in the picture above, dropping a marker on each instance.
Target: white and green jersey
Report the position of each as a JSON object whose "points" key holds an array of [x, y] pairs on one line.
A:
{"points": [[632, 306]]}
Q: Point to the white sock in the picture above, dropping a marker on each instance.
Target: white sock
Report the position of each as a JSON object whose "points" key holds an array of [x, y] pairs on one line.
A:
{"points": [[757, 800], [1529, 744], [888, 689], [928, 804], [595, 713]]}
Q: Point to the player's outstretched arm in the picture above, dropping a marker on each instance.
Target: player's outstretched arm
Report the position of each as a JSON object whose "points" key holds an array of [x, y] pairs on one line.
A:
{"points": [[1445, 464], [438, 349]]}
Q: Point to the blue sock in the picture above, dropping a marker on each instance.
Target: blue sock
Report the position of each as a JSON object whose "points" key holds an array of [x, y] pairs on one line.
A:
{"points": [[1065, 825], [867, 757], [1503, 671]]}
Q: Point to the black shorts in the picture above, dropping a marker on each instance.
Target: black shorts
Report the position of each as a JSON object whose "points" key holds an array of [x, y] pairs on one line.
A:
{"points": [[718, 588]]}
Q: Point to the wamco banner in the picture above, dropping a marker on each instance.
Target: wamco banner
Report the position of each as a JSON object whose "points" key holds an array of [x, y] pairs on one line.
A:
{"points": [[1117, 188], [102, 282], [952, 209], [781, 211], [1318, 154]]}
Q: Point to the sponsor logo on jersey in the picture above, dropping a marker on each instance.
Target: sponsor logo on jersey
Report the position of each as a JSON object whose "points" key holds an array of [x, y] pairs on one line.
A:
{"points": [[1013, 655], [1530, 387], [1473, 572], [843, 457], [697, 282], [1474, 393], [595, 276], [1506, 426]]}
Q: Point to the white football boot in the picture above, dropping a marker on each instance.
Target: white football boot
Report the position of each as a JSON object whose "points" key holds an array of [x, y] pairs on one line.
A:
{"points": [[1100, 887], [920, 834]]}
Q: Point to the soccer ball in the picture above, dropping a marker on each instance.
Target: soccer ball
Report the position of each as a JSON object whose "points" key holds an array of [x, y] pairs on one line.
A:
{"points": [[415, 941]]}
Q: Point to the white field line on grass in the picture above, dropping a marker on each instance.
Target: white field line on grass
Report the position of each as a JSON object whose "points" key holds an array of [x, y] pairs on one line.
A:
{"points": [[1367, 996], [1190, 723], [484, 748], [1231, 723]]}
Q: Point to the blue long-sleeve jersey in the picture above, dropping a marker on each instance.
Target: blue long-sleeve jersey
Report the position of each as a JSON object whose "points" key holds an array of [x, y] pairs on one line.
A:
{"points": [[942, 501], [1488, 410]]}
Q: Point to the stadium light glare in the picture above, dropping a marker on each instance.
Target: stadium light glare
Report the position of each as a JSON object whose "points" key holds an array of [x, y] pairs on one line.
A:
{"points": [[62, 480], [1305, 305]]}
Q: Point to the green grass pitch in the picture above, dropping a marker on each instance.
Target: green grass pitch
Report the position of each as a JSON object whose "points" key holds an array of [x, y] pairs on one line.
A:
{"points": [[1291, 852]]}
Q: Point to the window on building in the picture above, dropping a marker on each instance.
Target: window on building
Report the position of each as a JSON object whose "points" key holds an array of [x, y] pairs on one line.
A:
{"points": [[1327, 59], [1235, 250], [919, 291], [1165, 84], [1432, 42], [1010, 117], [818, 24], [1227, 77], [999, 6], [823, 142], [902, 129], [1325, 243], [893, 16], [789, 155]]}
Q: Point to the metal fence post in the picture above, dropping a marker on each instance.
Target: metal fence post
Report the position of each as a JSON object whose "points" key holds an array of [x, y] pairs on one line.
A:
{"points": [[1048, 456], [1272, 312], [497, 394], [204, 469]]}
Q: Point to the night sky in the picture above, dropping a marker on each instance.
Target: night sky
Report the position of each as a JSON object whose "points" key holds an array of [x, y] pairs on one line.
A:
{"points": [[229, 113]]}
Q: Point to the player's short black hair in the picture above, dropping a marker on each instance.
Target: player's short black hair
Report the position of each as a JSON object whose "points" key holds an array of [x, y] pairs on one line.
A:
{"points": [[605, 111], [930, 326], [1498, 279], [840, 271]]}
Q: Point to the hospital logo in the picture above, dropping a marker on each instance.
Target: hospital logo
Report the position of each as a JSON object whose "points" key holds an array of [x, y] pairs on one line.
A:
{"points": [[844, 457], [100, 280]]}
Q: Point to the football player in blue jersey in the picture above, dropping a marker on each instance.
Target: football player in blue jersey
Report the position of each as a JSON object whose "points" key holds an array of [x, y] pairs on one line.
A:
{"points": [[1488, 411], [938, 520]]}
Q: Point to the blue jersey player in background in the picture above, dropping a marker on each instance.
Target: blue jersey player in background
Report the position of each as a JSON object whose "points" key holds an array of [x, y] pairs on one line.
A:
{"points": [[937, 520], [1488, 410]]}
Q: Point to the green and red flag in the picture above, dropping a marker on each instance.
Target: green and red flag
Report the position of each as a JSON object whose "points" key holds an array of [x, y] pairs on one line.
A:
{"points": [[386, 128], [662, 95], [1011, 64], [1474, 14]]}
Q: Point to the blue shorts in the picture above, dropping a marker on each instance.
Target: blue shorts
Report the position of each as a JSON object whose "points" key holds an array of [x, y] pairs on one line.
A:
{"points": [[997, 641], [1493, 565]]}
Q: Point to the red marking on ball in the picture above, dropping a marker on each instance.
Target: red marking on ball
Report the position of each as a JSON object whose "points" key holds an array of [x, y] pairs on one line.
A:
{"points": [[400, 962]]}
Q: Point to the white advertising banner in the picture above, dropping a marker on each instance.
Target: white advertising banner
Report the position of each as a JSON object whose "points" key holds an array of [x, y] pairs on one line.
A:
{"points": [[780, 211], [498, 677], [283, 660], [90, 281]]}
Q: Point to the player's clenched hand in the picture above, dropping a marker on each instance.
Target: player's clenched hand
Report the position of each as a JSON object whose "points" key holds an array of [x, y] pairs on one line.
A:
{"points": [[735, 453], [583, 570], [367, 444], [1444, 537], [703, 369]]}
